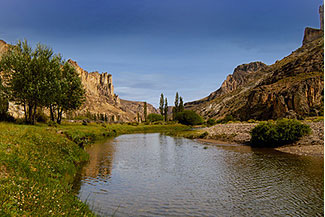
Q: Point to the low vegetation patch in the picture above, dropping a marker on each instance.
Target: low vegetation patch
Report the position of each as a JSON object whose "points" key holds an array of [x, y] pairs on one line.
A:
{"points": [[281, 132], [188, 117], [211, 122], [38, 165]]}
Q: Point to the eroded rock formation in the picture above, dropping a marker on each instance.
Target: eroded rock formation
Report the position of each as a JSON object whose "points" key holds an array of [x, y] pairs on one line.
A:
{"points": [[291, 87], [100, 96]]}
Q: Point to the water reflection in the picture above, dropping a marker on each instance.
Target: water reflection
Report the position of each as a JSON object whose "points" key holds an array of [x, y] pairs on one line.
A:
{"points": [[158, 175], [101, 156]]}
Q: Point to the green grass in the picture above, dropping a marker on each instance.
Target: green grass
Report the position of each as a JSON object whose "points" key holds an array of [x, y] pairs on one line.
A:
{"points": [[190, 134], [38, 165]]}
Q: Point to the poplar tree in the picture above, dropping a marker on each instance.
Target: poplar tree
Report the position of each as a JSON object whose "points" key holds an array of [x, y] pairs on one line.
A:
{"points": [[161, 104], [176, 102], [181, 105], [166, 109]]}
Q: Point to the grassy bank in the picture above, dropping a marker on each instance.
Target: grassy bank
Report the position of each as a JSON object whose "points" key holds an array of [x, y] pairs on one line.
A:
{"points": [[38, 165]]}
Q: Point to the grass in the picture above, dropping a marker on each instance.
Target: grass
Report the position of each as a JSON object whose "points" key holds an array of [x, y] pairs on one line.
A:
{"points": [[190, 134], [38, 165]]}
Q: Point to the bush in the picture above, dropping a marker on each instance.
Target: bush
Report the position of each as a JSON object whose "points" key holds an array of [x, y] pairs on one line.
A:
{"points": [[155, 117], [41, 117], [282, 132], [188, 117], [204, 135], [211, 122]]}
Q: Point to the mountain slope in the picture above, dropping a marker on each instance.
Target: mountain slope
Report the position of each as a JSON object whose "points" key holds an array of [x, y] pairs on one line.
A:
{"points": [[100, 96], [293, 86]]}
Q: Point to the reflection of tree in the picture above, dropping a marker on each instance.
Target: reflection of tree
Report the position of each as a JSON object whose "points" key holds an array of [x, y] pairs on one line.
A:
{"points": [[100, 160]]}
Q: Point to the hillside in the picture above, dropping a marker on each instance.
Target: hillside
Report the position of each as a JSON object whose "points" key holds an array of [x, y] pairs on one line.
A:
{"points": [[100, 96], [291, 87]]}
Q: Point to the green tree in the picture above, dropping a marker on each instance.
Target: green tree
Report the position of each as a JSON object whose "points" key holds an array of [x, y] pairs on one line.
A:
{"points": [[174, 112], [176, 107], [176, 102], [181, 105], [70, 94], [161, 104], [27, 73], [145, 111], [4, 103], [166, 110]]}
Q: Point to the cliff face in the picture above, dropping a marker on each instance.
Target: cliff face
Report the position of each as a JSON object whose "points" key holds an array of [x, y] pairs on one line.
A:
{"points": [[100, 96], [292, 87]]}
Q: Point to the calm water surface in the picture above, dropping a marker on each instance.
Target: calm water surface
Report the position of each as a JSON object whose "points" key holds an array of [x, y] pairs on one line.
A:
{"points": [[158, 175]]}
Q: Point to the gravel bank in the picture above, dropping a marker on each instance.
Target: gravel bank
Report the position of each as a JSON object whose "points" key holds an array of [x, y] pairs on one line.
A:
{"points": [[312, 144]]}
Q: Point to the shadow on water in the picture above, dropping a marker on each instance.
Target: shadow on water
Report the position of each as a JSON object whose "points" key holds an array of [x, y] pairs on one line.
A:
{"points": [[158, 175]]}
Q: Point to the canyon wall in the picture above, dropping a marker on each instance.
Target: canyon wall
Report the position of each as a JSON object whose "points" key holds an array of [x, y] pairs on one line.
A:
{"points": [[100, 97]]}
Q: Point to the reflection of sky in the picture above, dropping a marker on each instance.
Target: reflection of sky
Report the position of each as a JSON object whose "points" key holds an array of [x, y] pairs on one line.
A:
{"points": [[153, 46]]}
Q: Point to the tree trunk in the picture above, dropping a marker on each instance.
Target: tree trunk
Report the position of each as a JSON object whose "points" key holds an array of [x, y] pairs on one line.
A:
{"points": [[52, 112], [25, 112], [30, 112], [59, 115], [34, 114]]}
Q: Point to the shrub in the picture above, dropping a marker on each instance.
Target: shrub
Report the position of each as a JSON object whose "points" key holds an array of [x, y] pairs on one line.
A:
{"points": [[41, 117], [211, 122], [188, 117], [155, 117], [282, 132], [203, 135]]}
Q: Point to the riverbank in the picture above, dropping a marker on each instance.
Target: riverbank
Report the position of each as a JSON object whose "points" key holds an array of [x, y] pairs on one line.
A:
{"points": [[39, 163], [238, 133]]}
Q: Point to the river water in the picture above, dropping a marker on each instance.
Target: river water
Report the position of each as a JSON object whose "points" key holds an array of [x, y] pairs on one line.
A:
{"points": [[158, 175]]}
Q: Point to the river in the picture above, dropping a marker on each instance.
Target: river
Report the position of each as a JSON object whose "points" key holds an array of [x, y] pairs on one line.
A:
{"points": [[158, 175]]}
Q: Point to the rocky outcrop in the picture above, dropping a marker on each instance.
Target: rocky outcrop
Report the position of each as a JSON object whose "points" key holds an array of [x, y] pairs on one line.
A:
{"points": [[311, 34], [3, 47], [100, 96], [291, 87]]}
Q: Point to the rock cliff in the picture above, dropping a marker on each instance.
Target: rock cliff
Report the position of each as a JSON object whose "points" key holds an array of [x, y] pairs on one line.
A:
{"points": [[291, 87], [100, 96]]}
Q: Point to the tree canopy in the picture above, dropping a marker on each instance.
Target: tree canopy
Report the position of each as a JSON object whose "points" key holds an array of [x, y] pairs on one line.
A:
{"points": [[39, 78]]}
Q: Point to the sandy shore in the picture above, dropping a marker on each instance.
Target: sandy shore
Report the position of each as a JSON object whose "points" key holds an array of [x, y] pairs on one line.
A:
{"points": [[238, 133]]}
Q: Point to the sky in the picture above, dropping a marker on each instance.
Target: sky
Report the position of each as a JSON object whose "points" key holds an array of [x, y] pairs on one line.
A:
{"points": [[162, 46]]}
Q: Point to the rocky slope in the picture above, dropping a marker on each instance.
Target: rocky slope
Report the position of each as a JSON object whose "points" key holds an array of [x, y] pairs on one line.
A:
{"points": [[291, 87], [100, 96]]}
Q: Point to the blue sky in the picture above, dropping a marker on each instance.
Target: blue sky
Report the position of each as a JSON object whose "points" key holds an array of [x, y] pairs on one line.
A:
{"points": [[162, 46]]}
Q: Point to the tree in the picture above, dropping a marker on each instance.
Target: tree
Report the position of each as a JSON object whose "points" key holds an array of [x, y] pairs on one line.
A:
{"points": [[138, 117], [166, 109], [145, 111], [161, 104], [176, 102], [181, 105], [70, 94], [174, 112], [4, 103], [27, 73]]}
